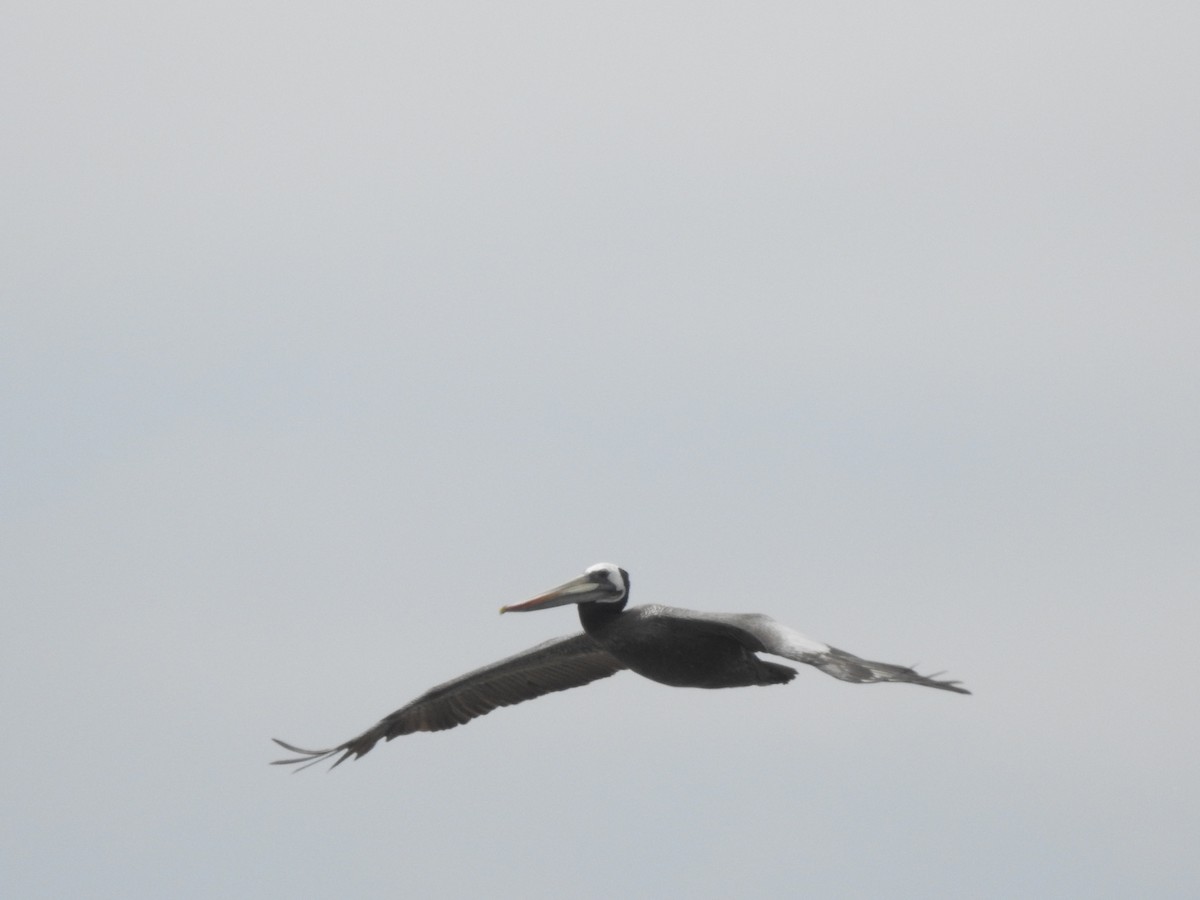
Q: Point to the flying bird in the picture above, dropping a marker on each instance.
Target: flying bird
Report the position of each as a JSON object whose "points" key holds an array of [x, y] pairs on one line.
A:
{"points": [[677, 647]]}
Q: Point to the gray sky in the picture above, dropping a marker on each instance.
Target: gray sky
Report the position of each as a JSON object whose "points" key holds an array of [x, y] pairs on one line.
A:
{"points": [[328, 329]]}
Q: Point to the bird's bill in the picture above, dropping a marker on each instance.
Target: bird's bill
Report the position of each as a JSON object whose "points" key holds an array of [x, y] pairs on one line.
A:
{"points": [[578, 590]]}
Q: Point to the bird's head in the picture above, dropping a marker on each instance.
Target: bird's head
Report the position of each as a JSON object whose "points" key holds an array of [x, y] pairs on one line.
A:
{"points": [[601, 583]]}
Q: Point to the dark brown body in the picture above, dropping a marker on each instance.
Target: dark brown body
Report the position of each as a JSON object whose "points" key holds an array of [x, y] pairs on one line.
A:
{"points": [[679, 648]]}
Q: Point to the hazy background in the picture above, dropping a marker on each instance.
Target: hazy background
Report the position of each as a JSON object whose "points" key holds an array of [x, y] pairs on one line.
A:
{"points": [[329, 328]]}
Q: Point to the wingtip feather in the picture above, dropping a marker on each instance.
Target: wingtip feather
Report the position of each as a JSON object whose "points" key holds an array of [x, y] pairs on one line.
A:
{"points": [[307, 757]]}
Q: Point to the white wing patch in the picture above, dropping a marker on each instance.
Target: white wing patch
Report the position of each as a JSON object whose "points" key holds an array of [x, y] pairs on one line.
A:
{"points": [[783, 641], [796, 644]]}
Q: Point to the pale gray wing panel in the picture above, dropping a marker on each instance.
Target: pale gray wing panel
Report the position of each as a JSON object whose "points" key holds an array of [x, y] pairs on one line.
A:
{"points": [[754, 631]]}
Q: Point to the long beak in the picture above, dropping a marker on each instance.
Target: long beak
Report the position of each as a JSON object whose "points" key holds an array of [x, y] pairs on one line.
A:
{"points": [[578, 590]]}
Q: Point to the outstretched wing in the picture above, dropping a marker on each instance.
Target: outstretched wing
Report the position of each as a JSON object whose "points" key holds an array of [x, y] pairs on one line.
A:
{"points": [[556, 665], [762, 634]]}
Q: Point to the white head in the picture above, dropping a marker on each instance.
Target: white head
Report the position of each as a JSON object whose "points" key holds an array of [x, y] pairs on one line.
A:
{"points": [[612, 575]]}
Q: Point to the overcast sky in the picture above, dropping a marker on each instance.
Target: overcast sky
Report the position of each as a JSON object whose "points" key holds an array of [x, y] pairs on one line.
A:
{"points": [[329, 328]]}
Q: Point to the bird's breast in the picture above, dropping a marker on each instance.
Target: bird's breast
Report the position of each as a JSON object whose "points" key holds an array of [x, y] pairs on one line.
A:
{"points": [[683, 658]]}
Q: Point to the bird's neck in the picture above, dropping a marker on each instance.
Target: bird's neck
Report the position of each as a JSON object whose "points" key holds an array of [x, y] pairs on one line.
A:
{"points": [[595, 617]]}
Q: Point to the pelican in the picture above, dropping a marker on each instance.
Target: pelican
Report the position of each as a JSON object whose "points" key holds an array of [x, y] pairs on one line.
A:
{"points": [[677, 647]]}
